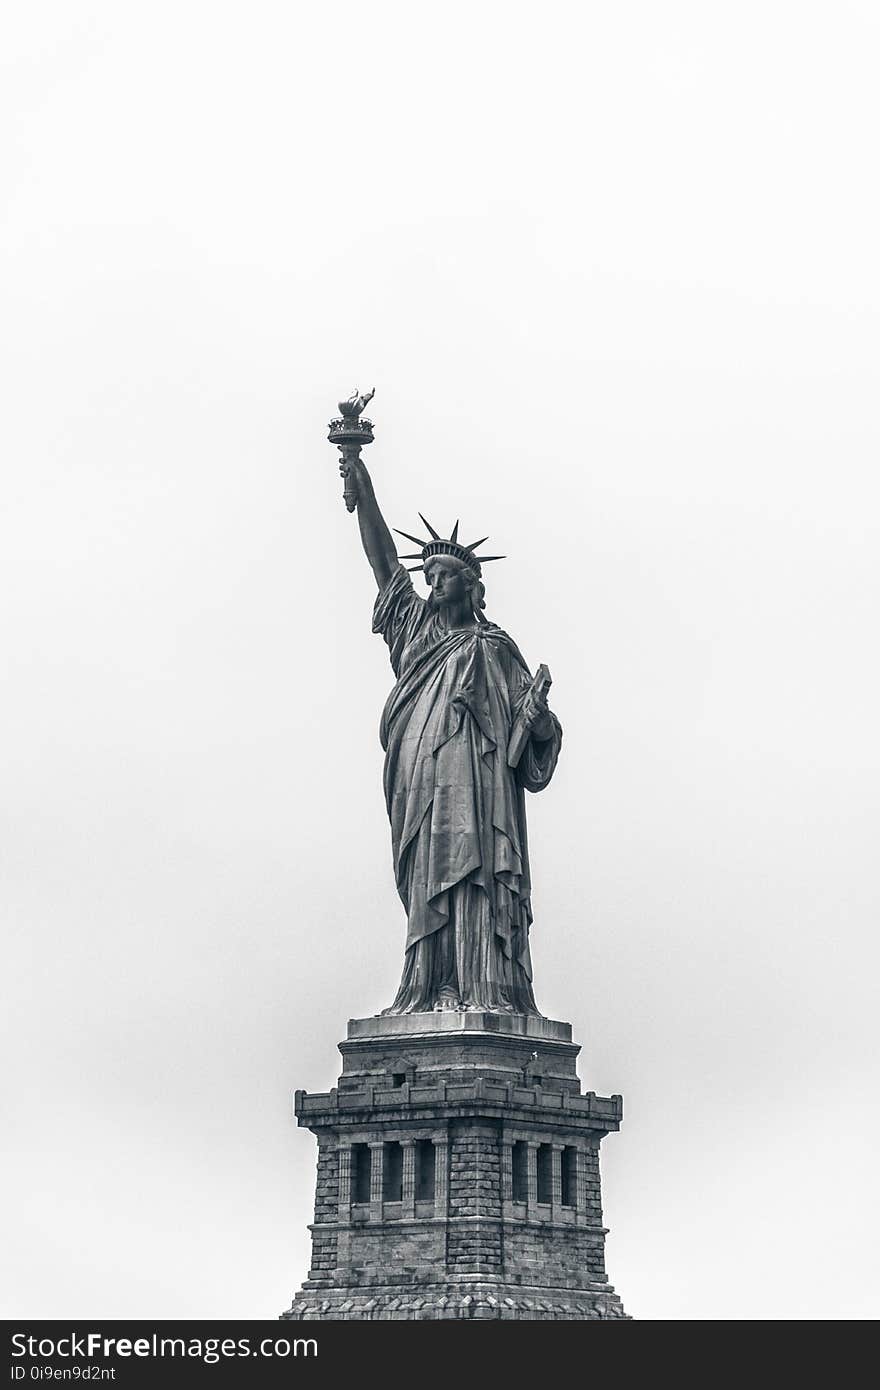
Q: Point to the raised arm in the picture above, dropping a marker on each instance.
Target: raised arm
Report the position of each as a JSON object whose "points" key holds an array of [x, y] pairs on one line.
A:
{"points": [[379, 547]]}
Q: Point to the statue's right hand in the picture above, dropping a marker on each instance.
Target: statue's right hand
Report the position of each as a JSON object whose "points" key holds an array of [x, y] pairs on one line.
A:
{"points": [[354, 470], [353, 474]]}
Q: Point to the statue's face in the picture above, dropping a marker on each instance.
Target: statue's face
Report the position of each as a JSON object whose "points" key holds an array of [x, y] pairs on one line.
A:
{"points": [[446, 578]]}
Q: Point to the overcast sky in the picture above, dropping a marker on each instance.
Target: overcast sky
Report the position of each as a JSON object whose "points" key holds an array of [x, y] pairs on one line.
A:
{"points": [[613, 271]]}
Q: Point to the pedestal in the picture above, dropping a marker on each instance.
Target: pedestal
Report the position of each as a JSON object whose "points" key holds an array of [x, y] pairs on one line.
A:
{"points": [[458, 1174]]}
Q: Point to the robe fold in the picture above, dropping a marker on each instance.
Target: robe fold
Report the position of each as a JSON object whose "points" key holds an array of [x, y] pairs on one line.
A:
{"points": [[457, 810]]}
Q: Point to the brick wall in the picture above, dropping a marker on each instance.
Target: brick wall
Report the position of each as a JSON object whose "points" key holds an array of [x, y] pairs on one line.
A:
{"points": [[394, 1253], [553, 1256], [324, 1243], [473, 1243]]}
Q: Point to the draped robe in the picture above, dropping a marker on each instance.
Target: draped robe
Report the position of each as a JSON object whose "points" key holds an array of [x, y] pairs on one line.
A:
{"points": [[457, 810]]}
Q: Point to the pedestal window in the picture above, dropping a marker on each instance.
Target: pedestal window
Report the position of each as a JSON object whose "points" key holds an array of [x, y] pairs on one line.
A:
{"points": [[361, 1172]]}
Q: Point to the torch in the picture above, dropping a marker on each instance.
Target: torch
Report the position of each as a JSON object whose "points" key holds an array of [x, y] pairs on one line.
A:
{"points": [[350, 431]]}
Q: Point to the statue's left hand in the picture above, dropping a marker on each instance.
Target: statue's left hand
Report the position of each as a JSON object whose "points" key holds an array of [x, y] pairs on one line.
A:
{"points": [[537, 715]]}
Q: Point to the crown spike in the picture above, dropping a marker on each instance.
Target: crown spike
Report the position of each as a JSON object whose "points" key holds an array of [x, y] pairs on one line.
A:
{"points": [[434, 534], [416, 556], [454, 536], [413, 569], [484, 559], [472, 545], [415, 539]]}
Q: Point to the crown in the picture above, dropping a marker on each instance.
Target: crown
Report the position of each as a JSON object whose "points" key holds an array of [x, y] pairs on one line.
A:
{"points": [[438, 546]]}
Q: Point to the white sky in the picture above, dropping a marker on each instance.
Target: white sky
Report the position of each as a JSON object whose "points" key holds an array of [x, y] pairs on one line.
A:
{"points": [[613, 271]]}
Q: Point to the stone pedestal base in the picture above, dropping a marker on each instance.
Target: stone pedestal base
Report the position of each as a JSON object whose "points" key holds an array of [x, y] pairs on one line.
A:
{"points": [[458, 1174]]}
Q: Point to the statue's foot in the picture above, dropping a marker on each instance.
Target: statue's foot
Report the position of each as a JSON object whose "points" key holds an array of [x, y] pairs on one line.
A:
{"points": [[447, 1002]]}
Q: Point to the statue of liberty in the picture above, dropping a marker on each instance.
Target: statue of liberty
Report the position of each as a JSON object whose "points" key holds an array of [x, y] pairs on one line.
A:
{"points": [[466, 732]]}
